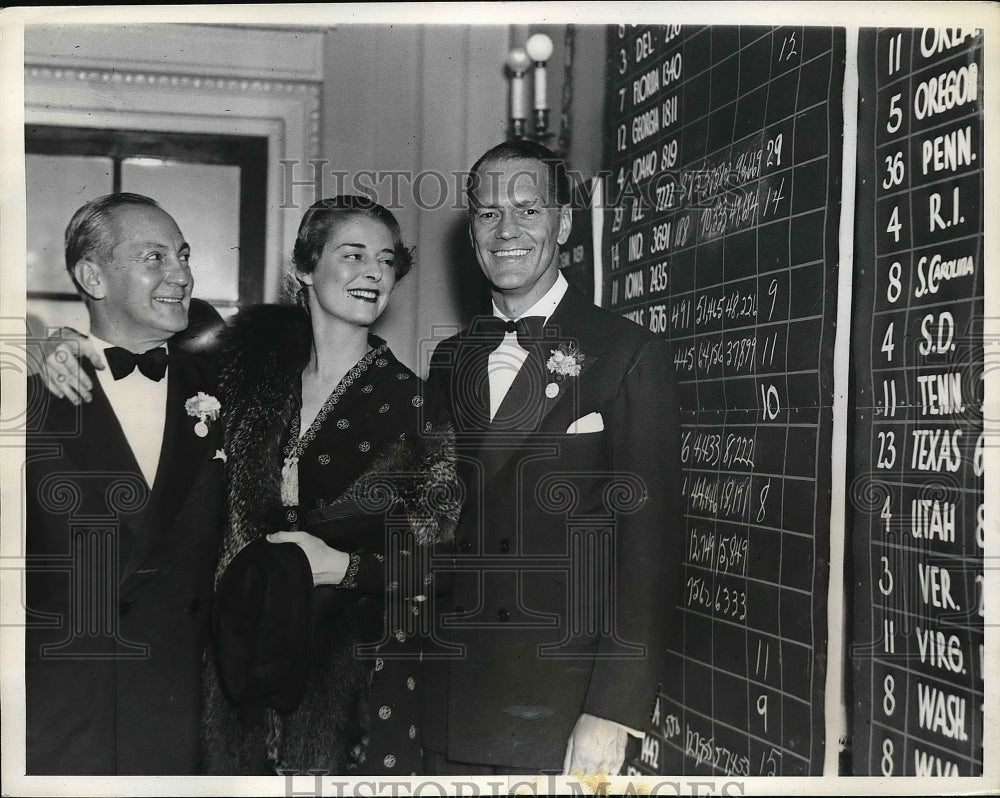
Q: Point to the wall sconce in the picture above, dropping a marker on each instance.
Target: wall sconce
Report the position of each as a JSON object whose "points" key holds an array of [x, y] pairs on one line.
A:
{"points": [[537, 51]]}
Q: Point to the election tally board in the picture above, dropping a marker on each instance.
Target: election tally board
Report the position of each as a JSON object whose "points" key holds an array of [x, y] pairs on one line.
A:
{"points": [[720, 229], [917, 350]]}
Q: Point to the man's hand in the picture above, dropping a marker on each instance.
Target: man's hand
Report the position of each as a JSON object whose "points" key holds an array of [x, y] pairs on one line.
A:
{"points": [[596, 746], [329, 565], [61, 371]]}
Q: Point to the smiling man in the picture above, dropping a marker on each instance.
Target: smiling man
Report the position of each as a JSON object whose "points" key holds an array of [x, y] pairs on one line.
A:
{"points": [[567, 565], [124, 503]]}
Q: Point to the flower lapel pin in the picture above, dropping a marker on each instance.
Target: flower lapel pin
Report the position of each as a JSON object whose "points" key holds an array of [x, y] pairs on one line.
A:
{"points": [[565, 361], [205, 408]]}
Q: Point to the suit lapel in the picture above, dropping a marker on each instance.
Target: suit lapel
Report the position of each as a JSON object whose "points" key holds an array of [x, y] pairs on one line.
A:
{"points": [[101, 444], [563, 329], [101, 448], [181, 457]]}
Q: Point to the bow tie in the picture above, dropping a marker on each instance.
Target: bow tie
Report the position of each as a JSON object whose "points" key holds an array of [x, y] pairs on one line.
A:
{"points": [[151, 364], [527, 328]]}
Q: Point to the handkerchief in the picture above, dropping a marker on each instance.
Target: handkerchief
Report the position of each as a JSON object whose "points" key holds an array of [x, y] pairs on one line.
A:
{"points": [[592, 422]]}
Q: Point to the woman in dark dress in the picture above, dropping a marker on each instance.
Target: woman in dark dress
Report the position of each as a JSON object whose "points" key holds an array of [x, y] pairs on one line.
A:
{"points": [[331, 449]]}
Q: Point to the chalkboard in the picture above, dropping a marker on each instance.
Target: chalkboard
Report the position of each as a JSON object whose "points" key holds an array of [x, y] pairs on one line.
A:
{"points": [[917, 658], [724, 151], [576, 255]]}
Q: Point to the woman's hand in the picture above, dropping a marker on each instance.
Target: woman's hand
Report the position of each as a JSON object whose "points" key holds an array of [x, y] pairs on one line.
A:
{"points": [[329, 565], [61, 372]]}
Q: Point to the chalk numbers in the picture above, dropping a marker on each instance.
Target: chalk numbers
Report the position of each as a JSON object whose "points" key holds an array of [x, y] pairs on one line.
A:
{"points": [[887, 751], [887, 344], [886, 450], [894, 226], [885, 581], [895, 287], [895, 114], [895, 170], [889, 696], [789, 48], [886, 514]]}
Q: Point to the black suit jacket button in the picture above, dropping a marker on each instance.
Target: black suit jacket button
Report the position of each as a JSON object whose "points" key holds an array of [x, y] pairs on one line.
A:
{"points": [[504, 546], [124, 606], [503, 615], [464, 547]]}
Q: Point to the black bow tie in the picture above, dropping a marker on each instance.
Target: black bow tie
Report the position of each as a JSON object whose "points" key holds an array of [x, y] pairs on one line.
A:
{"points": [[151, 364], [527, 328]]}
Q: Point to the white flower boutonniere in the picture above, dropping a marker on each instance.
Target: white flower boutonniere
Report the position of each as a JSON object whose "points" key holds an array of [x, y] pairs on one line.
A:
{"points": [[565, 361], [205, 408]]}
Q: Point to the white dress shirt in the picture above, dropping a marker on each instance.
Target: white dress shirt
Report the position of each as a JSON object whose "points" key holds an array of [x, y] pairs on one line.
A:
{"points": [[141, 407], [506, 360]]}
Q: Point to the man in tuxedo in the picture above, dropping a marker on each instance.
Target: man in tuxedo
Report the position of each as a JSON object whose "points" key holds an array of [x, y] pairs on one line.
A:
{"points": [[567, 565], [124, 508]]}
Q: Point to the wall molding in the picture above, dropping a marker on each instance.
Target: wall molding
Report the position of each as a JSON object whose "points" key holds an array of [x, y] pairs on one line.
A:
{"points": [[309, 92], [192, 49]]}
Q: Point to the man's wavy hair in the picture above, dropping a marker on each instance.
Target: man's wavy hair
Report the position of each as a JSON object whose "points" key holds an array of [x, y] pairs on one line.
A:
{"points": [[93, 232], [517, 150]]}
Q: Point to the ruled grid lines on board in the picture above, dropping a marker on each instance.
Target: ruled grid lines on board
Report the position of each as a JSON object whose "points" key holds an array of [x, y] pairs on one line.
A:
{"points": [[773, 424], [698, 240], [738, 213], [933, 183], [951, 489], [742, 732], [911, 70], [743, 523], [747, 578], [913, 741], [758, 275], [925, 199], [743, 676], [958, 619], [728, 472], [925, 675], [895, 660], [631, 75]]}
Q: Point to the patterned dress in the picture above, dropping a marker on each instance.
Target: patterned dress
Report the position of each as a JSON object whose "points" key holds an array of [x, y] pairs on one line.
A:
{"points": [[376, 404]]}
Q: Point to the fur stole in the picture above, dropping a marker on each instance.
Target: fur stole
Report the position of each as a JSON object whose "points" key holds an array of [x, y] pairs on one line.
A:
{"points": [[263, 353]]}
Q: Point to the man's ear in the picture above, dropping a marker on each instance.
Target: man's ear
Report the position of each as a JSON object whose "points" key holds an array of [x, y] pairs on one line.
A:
{"points": [[565, 223], [90, 278]]}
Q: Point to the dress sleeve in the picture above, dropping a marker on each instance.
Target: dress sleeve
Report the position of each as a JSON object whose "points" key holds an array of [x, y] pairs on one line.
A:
{"points": [[422, 519]]}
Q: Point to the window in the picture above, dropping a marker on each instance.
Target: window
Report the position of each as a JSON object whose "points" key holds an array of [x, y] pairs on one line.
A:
{"points": [[213, 185]]}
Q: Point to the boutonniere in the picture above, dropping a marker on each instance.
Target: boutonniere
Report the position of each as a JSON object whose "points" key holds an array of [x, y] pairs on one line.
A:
{"points": [[205, 408], [565, 361]]}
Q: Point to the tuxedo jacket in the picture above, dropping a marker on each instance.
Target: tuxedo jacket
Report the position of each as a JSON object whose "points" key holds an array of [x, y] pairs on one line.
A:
{"points": [[119, 583], [566, 570]]}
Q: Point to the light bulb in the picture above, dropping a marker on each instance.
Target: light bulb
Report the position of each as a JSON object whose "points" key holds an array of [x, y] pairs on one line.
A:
{"points": [[518, 61], [539, 47]]}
